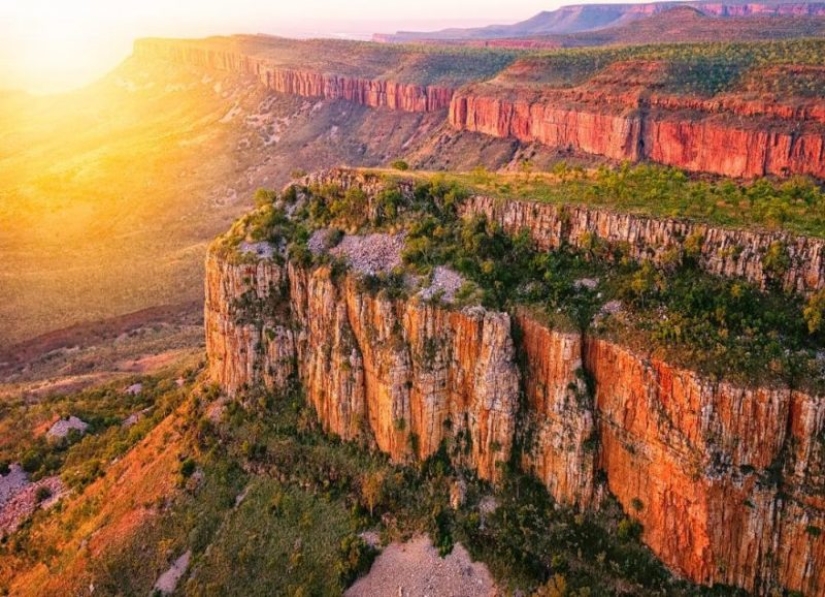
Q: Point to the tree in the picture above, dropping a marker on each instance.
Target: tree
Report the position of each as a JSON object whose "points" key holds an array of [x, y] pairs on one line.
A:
{"points": [[372, 489], [814, 311]]}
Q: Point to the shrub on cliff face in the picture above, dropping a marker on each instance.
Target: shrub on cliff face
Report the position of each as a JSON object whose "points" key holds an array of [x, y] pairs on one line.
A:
{"points": [[814, 312]]}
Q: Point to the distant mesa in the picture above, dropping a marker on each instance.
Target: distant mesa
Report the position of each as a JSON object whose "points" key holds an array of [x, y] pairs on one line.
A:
{"points": [[582, 18]]}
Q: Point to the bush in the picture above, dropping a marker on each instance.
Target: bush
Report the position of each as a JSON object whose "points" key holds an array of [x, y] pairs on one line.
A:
{"points": [[43, 493], [188, 468], [400, 165]]}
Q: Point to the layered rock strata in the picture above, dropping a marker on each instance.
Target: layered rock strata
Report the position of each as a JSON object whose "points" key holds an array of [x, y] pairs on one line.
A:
{"points": [[729, 136], [304, 82], [727, 480]]}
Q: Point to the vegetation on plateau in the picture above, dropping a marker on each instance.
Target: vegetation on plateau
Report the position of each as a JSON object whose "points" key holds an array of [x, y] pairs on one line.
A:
{"points": [[698, 68], [724, 328]]}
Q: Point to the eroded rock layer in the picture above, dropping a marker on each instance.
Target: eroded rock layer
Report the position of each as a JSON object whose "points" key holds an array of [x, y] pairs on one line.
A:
{"points": [[304, 82], [728, 481], [621, 114]]}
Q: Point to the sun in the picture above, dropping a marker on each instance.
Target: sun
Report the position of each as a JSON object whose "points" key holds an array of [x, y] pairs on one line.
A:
{"points": [[49, 51]]}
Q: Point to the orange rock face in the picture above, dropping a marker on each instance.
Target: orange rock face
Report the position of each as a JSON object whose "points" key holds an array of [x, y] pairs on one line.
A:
{"points": [[404, 373], [700, 464], [304, 82], [730, 135], [727, 481], [563, 454]]}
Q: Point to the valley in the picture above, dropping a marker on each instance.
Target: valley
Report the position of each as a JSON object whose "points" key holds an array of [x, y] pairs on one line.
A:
{"points": [[545, 299]]}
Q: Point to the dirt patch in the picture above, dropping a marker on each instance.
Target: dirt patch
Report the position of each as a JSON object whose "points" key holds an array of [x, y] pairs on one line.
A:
{"points": [[414, 569]]}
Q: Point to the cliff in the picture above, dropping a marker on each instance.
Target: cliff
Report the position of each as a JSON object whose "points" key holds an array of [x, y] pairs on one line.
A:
{"points": [[721, 251], [302, 81], [622, 114], [727, 480], [405, 374]]}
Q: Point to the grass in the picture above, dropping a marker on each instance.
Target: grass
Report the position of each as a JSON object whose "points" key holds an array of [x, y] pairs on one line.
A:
{"points": [[796, 205], [691, 68]]}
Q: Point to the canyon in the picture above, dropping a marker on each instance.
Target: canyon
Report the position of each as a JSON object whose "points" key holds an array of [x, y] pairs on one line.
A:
{"points": [[726, 479], [622, 113], [302, 82]]}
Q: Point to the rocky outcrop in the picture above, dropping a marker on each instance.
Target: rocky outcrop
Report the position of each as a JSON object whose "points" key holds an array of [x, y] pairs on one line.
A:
{"points": [[725, 252], [407, 374], [727, 480], [720, 251], [562, 451], [729, 135], [304, 82]]}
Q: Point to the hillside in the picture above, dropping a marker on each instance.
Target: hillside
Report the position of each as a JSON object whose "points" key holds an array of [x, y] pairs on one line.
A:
{"points": [[681, 24], [110, 194], [594, 17]]}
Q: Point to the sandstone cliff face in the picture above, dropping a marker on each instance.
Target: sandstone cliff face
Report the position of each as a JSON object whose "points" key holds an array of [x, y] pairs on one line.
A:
{"points": [[405, 373], [727, 481], [699, 464], [304, 82], [563, 452], [729, 135], [724, 252]]}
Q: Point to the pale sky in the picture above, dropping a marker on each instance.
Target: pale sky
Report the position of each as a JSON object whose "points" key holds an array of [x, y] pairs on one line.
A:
{"points": [[53, 45]]}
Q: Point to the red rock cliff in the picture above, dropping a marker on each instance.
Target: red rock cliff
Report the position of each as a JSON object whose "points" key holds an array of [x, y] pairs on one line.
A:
{"points": [[405, 373], [305, 82], [728, 481], [620, 115]]}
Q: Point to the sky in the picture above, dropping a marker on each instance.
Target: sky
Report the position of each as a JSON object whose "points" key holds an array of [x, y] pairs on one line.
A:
{"points": [[56, 45]]}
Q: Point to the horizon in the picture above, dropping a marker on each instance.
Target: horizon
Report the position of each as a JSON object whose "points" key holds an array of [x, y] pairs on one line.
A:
{"points": [[47, 50]]}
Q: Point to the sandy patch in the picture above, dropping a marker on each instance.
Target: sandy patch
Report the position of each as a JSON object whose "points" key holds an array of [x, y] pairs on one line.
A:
{"points": [[414, 569]]}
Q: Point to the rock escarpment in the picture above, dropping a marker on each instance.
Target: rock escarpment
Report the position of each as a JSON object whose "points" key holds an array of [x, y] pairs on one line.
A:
{"points": [[406, 374], [727, 480], [721, 251], [622, 114], [304, 81]]}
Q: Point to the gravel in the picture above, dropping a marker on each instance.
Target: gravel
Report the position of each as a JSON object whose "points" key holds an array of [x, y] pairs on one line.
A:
{"points": [[445, 284], [11, 484], [371, 254], [415, 569], [23, 501]]}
